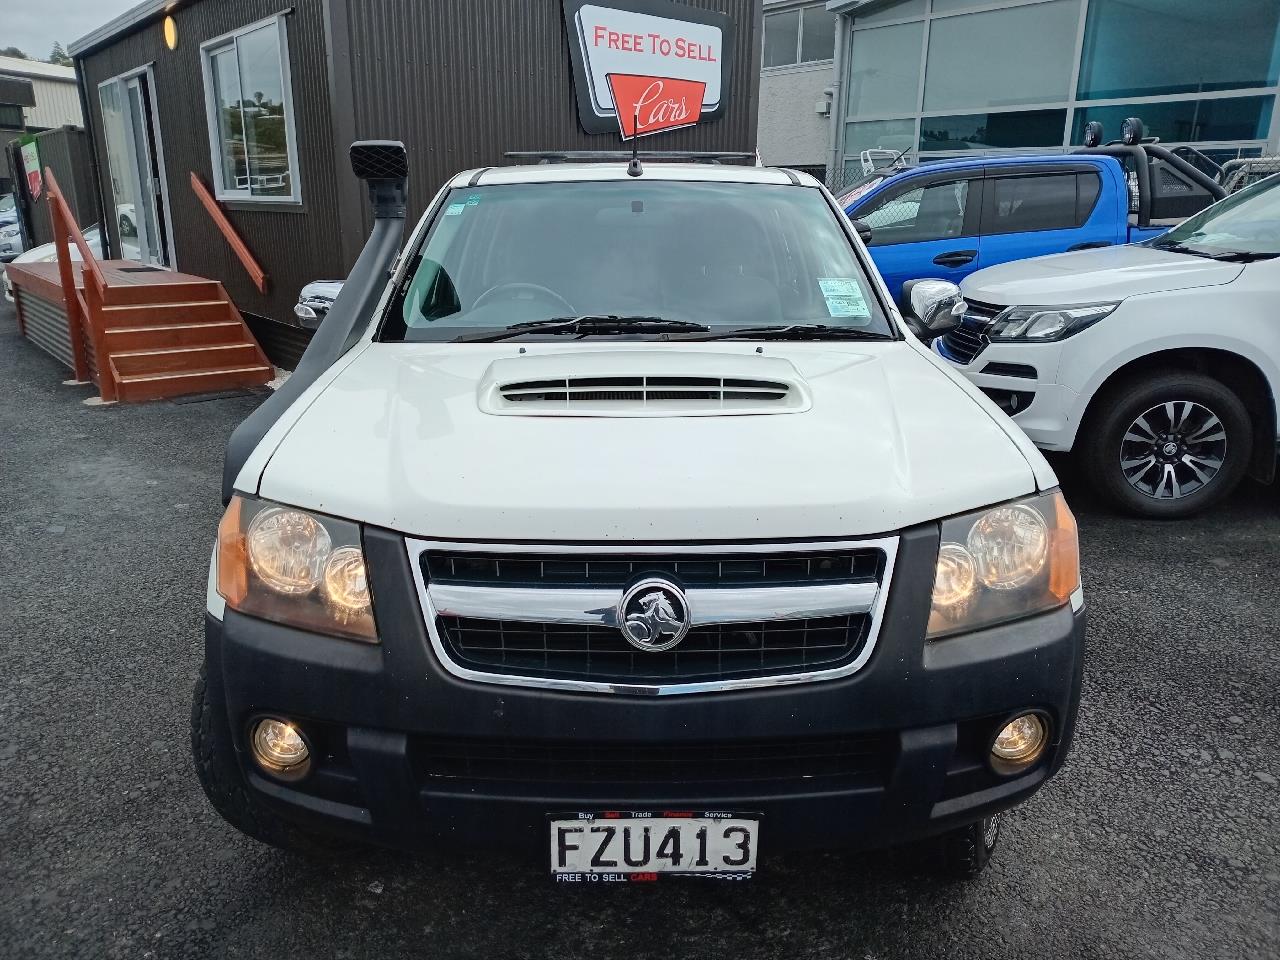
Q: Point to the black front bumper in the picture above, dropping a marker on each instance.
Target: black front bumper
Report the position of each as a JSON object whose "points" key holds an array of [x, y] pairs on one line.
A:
{"points": [[920, 715]]}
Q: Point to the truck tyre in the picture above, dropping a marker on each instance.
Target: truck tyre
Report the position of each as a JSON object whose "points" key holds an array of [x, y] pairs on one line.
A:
{"points": [[225, 786], [964, 853], [1169, 445]]}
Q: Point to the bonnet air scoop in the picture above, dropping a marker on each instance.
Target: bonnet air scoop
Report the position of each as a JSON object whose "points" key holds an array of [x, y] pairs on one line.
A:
{"points": [[642, 384]]}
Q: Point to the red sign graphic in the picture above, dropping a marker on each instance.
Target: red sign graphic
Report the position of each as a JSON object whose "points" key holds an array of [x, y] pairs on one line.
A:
{"points": [[648, 105]]}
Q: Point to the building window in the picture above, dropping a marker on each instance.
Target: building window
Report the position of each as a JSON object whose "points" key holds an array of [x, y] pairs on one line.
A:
{"points": [[979, 131], [11, 116], [803, 35], [250, 110], [1186, 46], [902, 10], [1185, 121], [1035, 44], [896, 135], [884, 71]]}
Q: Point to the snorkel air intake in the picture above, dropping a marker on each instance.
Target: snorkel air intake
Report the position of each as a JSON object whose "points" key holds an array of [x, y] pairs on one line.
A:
{"points": [[384, 166]]}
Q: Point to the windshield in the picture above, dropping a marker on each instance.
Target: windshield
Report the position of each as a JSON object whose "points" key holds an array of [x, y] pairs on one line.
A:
{"points": [[1247, 223], [723, 255]]}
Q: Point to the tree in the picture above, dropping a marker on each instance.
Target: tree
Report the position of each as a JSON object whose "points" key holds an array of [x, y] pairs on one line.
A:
{"points": [[13, 52], [59, 56]]}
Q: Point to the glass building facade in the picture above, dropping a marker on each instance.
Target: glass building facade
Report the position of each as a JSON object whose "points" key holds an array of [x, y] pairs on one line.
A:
{"points": [[936, 78]]}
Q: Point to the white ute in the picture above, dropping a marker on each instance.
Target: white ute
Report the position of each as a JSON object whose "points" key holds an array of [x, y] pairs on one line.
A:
{"points": [[1158, 363], [625, 522]]}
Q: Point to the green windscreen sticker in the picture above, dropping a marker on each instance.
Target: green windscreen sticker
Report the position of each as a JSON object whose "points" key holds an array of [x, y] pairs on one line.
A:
{"points": [[844, 297]]}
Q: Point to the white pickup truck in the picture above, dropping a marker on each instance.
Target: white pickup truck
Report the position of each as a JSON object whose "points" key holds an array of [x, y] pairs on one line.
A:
{"points": [[624, 527], [1158, 363]]}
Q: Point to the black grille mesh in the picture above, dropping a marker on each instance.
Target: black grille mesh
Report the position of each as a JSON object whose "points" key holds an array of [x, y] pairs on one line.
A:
{"points": [[601, 762], [601, 654], [379, 160], [965, 342], [687, 569]]}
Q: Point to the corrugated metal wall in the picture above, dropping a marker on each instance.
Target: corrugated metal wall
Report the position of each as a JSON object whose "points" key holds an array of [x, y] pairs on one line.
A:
{"points": [[461, 83], [66, 152], [294, 244], [57, 104], [45, 325]]}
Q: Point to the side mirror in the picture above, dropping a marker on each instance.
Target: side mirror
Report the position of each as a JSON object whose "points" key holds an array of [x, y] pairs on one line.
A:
{"points": [[863, 231], [309, 318], [935, 304]]}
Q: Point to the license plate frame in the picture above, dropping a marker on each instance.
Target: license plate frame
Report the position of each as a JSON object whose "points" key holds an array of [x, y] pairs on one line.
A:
{"points": [[587, 853]]}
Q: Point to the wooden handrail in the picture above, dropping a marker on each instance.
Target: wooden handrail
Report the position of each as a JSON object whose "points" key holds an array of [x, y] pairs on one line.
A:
{"points": [[75, 307], [59, 203], [238, 247]]}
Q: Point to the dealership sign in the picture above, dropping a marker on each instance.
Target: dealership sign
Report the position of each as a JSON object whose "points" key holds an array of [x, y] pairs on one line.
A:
{"points": [[644, 66], [31, 166]]}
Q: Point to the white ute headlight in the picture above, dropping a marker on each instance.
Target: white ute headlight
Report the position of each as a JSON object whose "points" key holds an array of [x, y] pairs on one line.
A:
{"points": [[1036, 324], [295, 567], [1003, 563]]}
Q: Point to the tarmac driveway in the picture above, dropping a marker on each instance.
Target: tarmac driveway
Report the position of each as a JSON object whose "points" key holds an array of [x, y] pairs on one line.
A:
{"points": [[1160, 838]]}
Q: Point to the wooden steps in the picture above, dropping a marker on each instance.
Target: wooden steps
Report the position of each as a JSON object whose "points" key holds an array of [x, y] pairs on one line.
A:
{"points": [[148, 314], [166, 337], [158, 336], [145, 334], [160, 292], [156, 386]]}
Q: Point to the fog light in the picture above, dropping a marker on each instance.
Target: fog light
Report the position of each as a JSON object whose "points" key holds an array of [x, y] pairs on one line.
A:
{"points": [[279, 747], [1020, 742]]}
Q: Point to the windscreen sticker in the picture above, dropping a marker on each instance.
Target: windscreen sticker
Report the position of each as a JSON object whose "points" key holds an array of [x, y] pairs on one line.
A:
{"points": [[844, 297], [454, 209], [473, 200]]}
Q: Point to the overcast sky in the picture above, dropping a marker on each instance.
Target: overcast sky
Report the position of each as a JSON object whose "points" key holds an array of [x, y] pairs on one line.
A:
{"points": [[32, 26]]}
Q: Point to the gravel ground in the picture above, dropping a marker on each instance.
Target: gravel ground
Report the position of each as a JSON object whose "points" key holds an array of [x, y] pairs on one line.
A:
{"points": [[1160, 838]]}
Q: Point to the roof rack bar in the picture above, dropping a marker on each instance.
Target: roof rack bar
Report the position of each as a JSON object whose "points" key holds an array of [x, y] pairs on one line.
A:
{"points": [[613, 156]]}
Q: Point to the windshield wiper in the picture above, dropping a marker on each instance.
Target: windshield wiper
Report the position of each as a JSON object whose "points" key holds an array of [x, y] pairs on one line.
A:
{"points": [[1226, 256], [795, 331], [1180, 248], [1241, 256], [588, 325]]}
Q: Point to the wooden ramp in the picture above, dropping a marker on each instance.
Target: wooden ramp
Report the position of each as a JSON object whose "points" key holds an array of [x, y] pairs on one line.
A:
{"points": [[138, 332]]}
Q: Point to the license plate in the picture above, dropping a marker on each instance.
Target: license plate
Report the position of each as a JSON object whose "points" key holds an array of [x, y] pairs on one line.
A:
{"points": [[625, 847]]}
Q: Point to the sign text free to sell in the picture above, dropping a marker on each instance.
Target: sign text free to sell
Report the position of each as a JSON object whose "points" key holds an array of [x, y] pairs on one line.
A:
{"points": [[621, 41], [681, 48]]}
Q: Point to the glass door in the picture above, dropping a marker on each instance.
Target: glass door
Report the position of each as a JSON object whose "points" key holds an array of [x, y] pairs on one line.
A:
{"points": [[136, 185]]}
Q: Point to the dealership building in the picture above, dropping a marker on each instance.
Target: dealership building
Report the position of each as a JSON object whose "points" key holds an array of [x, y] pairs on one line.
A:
{"points": [[936, 78]]}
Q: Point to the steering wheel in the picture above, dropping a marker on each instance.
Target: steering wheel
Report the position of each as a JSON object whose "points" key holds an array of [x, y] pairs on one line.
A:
{"points": [[493, 292]]}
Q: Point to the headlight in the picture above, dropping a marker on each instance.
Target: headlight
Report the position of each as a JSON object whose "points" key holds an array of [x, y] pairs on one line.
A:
{"points": [[1004, 563], [1035, 324], [295, 567]]}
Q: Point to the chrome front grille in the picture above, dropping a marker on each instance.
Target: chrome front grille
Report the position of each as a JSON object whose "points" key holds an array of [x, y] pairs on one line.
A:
{"points": [[548, 617], [963, 343]]}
